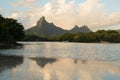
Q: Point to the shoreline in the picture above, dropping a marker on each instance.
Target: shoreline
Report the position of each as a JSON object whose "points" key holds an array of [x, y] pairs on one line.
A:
{"points": [[9, 45]]}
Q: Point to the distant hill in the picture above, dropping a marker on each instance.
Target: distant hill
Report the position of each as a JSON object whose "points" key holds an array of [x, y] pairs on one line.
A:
{"points": [[45, 29], [83, 29]]}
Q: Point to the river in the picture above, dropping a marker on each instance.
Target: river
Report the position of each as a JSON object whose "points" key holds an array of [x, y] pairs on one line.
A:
{"points": [[61, 61]]}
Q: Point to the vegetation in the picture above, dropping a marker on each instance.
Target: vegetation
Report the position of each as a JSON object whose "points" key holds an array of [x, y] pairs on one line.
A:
{"points": [[67, 37], [98, 36], [10, 30], [34, 38]]}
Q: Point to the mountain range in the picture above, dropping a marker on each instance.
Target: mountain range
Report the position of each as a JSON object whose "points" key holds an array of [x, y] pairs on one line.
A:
{"points": [[45, 29]]}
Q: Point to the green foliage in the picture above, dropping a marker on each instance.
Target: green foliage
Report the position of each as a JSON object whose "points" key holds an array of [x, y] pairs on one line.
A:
{"points": [[52, 38], [10, 30], [98, 36], [67, 37], [33, 38]]}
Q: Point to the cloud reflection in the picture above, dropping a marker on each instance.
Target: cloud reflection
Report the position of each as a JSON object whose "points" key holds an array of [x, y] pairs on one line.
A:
{"points": [[67, 69], [63, 69]]}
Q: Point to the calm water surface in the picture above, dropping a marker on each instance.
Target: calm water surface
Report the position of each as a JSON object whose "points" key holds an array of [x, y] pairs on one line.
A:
{"points": [[61, 61]]}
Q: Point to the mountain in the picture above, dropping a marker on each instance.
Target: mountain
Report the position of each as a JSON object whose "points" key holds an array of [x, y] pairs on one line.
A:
{"points": [[45, 29], [83, 29]]}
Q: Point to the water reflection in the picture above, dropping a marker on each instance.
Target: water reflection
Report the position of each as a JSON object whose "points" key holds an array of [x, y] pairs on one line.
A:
{"points": [[61, 69], [11, 46], [9, 62], [43, 61], [61, 61], [70, 69]]}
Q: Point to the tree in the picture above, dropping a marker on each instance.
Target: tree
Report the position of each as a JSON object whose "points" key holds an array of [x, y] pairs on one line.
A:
{"points": [[98, 36], [10, 30], [67, 37]]}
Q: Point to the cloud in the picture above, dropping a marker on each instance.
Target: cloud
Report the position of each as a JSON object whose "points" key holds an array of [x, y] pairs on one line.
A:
{"points": [[24, 3], [1, 10], [67, 14], [14, 15]]}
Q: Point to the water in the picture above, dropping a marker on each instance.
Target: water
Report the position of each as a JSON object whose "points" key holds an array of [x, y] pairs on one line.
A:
{"points": [[60, 61]]}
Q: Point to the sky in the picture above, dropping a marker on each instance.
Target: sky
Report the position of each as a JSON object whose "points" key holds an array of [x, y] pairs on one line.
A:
{"points": [[63, 13]]}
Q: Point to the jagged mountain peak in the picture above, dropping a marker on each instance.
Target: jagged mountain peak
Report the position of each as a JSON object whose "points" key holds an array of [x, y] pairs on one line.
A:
{"points": [[41, 20], [84, 26], [76, 27], [52, 23], [44, 28], [83, 29]]}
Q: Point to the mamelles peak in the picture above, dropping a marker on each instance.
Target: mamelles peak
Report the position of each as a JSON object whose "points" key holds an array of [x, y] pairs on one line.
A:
{"points": [[41, 20]]}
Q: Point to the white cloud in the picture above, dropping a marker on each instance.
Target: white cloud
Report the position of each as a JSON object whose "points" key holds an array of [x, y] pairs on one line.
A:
{"points": [[14, 15], [1, 10], [67, 14], [24, 3]]}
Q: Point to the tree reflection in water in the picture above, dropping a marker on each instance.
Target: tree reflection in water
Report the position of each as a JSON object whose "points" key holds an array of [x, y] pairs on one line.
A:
{"points": [[9, 62]]}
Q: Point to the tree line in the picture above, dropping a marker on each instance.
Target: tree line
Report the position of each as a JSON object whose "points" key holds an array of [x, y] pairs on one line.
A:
{"points": [[98, 36], [10, 30], [94, 37]]}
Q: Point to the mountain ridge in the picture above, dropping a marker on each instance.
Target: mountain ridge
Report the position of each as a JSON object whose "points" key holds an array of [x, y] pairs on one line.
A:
{"points": [[83, 29], [46, 29]]}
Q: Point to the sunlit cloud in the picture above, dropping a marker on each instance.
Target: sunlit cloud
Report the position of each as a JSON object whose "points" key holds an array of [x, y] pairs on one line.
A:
{"points": [[67, 14], [24, 3], [64, 69], [1, 10]]}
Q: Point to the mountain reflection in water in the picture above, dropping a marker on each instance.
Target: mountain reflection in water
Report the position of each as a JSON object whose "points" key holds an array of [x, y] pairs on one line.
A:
{"points": [[69, 69], [61, 61], [8, 62], [43, 61], [35, 68]]}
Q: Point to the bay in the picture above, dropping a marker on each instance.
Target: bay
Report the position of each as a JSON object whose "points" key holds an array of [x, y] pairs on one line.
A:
{"points": [[61, 61]]}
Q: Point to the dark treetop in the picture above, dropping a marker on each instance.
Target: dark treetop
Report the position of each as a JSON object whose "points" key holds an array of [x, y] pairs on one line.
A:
{"points": [[10, 30]]}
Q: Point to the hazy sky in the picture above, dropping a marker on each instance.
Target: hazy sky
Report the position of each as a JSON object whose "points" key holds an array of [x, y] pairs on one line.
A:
{"points": [[63, 13]]}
